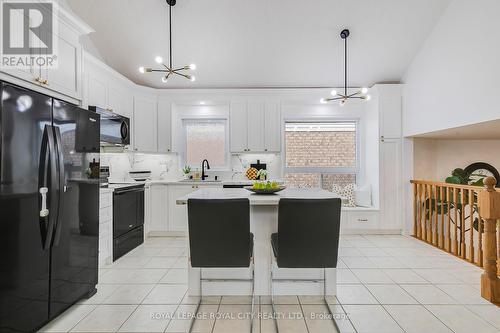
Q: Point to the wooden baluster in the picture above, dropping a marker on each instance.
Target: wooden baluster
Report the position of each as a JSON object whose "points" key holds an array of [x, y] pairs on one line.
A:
{"points": [[471, 223], [448, 199], [431, 214], [425, 213], [489, 203], [441, 197], [415, 215], [480, 253], [462, 224], [436, 217], [455, 200]]}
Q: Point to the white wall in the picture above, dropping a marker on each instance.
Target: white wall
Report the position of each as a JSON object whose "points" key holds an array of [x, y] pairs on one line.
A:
{"points": [[453, 80], [436, 159]]}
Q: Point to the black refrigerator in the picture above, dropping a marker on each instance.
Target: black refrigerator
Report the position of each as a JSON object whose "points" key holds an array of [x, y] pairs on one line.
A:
{"points": [[49, 208]]}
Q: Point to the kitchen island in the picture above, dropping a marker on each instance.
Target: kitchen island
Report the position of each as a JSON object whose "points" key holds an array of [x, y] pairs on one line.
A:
{"points": [[263, 222]]}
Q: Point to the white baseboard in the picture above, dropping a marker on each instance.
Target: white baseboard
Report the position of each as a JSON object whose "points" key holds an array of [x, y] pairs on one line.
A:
{"points": [[371, 232]]}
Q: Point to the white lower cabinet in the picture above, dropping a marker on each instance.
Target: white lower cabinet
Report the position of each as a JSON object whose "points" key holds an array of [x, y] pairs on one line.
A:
{"points": [[177, 214], [164, 216], [105, 227], [159, 208]]}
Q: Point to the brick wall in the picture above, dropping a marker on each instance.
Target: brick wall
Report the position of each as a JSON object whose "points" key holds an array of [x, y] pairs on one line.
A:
{"points": [[320, 149]]}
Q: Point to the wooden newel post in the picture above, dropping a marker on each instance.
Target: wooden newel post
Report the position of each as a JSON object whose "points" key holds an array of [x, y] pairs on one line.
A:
{"points": [[489, 205]]}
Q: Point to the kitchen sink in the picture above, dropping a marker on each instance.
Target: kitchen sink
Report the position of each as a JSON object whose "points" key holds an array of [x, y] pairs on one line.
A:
{"points": [[199, 181]]}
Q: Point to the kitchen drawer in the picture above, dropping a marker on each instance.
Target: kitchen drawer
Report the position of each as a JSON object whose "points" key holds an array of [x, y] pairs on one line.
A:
{"points": [[105, 200], [105, 214], [363, 219]]}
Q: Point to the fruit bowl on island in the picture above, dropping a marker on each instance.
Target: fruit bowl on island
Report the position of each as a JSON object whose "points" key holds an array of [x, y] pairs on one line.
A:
{"points": [[265, 187]]}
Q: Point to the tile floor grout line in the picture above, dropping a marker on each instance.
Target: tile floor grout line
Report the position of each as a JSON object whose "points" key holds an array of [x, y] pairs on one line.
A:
{"points": [[88, 314], [303, 314], [130, 315], [175, 312], [397, 323], [217, 311], [432, 313]]}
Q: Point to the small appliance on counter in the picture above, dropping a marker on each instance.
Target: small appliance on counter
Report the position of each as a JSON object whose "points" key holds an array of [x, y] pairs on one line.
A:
{"points": [[253, 171], [140, 175], [115, 129], [94, 169], [104, 175]]}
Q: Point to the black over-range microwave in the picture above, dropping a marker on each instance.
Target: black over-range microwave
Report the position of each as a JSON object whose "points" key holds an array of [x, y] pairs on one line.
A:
{"points": [[115, 129]]}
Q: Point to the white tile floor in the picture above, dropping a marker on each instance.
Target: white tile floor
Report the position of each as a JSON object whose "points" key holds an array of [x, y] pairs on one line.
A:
{"points": [[386, 284]]}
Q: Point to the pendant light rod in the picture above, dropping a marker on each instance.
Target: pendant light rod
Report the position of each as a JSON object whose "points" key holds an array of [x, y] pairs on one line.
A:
{"points": [[170, 31], [361, 94], [169, 71], [345, 66]]}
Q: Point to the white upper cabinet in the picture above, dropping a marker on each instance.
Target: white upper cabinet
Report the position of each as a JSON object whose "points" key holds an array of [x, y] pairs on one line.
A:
{"points": [[272, 127], [255, 131], [97, 89], [145, 121], [64, 79], [164, 126], [120, 99], [390, 105], [238, 127], [255, 127]]}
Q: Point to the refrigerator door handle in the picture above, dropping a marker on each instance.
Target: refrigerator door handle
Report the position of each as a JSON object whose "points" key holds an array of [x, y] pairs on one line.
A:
{"points": [[47, 167], [61, 184], [44, 212]]}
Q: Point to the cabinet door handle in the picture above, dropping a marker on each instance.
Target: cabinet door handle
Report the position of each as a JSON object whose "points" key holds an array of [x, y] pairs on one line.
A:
{"points": [[362, 220], [265, 149]]}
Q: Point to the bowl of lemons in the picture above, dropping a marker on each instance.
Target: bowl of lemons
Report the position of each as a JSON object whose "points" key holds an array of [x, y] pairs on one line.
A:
{"points": [[265, 187]]}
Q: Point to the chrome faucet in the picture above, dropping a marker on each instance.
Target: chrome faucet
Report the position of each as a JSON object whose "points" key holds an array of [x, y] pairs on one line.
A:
{"points": [[203, 175]]}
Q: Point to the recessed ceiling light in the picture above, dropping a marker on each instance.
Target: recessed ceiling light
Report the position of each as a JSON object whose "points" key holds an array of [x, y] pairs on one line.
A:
{"points": [[202, 103]]}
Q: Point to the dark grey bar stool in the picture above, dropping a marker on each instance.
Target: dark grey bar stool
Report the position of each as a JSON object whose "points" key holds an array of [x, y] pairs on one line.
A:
{"points": [[308, 237], [220, 237]]}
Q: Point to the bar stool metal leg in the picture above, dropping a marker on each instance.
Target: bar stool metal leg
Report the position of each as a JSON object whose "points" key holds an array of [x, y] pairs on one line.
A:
{"points": [[253, 296], [201, 296], [197, 306], [272, 298], [326, 301]]}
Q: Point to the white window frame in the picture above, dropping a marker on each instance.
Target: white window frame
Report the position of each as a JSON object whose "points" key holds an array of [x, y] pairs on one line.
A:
{"points": [[323, 170], [203, 119]]}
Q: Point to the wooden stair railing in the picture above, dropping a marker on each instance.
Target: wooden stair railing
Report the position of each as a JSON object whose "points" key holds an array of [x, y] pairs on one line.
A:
{"points": [[489, 203], [448, 217]]}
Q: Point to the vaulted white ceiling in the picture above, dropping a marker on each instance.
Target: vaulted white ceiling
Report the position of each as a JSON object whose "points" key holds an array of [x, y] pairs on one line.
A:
{"points": [[262, 43]]}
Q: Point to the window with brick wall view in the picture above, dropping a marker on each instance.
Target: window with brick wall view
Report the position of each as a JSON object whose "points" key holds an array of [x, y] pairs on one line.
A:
{"points": [[318, 155]]}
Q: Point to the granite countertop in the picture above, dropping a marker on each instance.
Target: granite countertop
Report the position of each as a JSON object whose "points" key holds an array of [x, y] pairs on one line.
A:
{"points": [[255, 199]]}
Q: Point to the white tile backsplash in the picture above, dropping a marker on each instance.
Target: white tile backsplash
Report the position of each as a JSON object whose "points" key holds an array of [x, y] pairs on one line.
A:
{"points": [[166, 166], [161, 166]]}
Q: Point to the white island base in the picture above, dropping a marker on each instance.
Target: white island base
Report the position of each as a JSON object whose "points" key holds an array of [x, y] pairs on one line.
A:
{"points": [[263, 222]]}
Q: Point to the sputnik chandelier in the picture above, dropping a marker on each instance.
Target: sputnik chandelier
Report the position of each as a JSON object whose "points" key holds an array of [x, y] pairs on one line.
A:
{"points": [[360, 94], [169, 71]]}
